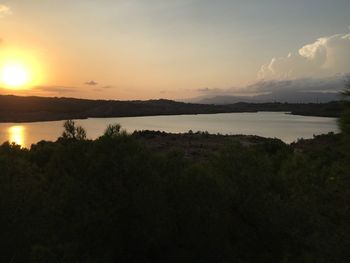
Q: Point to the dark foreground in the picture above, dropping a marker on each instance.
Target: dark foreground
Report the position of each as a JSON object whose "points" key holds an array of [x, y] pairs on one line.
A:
{"points": [[32, 109], [155, 197]]}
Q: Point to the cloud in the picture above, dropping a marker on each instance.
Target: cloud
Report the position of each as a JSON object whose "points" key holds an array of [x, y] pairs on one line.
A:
{"points": [[100, 89], [327, 56], [5, 11], [230, 91], [56, 89], [42, 91], [295, 91], [209, 90], [333, 84], [91, 83], [324, 85]]}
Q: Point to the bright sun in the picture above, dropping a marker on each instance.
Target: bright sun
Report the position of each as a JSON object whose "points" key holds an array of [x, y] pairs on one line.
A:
{"points": [[20, 70], [14, 75]]}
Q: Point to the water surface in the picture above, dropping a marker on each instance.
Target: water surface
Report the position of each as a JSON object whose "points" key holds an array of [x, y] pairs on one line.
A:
{"points": [[280, 125]]}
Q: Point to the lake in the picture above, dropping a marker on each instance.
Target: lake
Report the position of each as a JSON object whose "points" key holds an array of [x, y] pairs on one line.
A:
{"points": [[280, 125]]}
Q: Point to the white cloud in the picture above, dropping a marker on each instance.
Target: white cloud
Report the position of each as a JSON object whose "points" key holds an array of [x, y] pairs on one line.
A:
{"points": [[327, 56], [5, 11]]}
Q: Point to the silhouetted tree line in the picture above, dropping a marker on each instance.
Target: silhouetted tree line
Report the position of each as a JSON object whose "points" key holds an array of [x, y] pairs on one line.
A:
{"points": [[24, 109], [114, 200]]}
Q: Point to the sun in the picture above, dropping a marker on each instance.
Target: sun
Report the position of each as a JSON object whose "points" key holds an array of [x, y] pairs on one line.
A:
{"points": [[20, 69], [14, 75]]}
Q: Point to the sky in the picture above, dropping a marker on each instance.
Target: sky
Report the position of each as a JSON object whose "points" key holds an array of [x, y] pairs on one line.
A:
{"points": [[178, 49]]}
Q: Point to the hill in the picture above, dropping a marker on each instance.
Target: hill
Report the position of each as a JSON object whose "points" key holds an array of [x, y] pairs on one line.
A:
{"points": [[291, 97], [30, 109]]}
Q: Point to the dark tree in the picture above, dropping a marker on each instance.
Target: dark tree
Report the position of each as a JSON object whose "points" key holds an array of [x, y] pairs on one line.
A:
{"points": [[112, 130], [344, 121], [71, 131]]}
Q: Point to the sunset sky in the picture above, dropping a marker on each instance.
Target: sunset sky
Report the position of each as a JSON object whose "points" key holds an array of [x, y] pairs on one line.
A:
{"points": [[178, 49]]}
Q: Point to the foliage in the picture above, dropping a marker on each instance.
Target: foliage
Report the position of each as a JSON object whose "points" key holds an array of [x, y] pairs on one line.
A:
{"points": [[73, 132], [114, 200], [112, 130], [344, 121], [26, 109]]}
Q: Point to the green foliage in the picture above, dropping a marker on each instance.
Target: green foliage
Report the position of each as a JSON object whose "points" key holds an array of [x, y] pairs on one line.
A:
{"points": [[114, 200]]}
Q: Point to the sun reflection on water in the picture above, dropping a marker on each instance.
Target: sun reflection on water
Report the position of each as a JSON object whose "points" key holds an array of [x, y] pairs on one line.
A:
{"points": [[16, 135]]}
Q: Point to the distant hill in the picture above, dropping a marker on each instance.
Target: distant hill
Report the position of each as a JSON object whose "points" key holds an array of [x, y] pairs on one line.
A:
{"points": [[305, 90], [20, 109], [30, 109], [288, 97]]}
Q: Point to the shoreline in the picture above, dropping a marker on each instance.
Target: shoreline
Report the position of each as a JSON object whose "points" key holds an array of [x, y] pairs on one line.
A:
{"points": [[15, 109], [158, 115]]}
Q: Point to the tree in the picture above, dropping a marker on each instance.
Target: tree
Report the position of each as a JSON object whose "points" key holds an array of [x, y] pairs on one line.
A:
{"points": [[112, 130], [73, 132], [344, 121]]}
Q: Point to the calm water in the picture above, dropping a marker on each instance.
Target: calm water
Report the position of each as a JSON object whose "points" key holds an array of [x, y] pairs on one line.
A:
{"points": [[268, 124]]}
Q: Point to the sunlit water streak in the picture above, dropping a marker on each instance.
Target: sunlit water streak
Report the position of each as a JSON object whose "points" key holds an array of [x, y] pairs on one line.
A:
{"points": [[280, 125], [16, 134]]}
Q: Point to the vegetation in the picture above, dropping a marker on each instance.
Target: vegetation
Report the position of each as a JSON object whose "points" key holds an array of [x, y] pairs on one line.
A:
{"points": [[116, 199], [24, 109], [344, 121], [73, 132]]}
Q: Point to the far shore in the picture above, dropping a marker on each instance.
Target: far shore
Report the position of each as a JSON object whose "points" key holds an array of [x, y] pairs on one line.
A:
{"points": [[16, 109]]}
